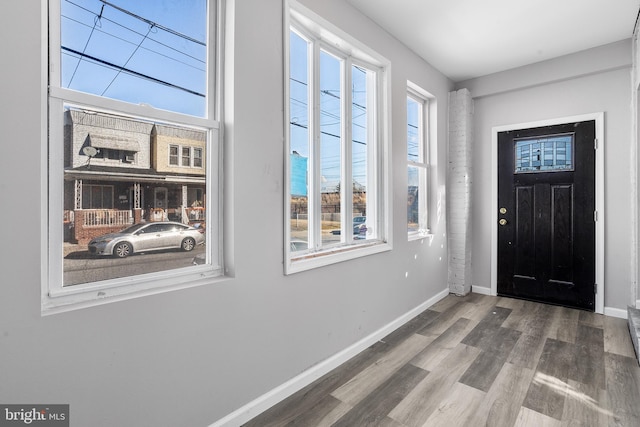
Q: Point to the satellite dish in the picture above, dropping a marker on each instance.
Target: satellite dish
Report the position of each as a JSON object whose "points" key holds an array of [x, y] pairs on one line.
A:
{"points": [[89, 151]]}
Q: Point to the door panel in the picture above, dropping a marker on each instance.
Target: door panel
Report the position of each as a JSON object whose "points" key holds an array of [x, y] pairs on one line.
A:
{"points": [[546, 200]]}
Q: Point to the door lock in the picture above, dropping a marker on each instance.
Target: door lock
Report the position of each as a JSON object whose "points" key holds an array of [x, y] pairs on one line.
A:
{"points": [[502, 222], [503, 211]]}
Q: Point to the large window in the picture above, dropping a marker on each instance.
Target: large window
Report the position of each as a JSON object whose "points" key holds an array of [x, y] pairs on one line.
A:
{"points": [[131, 93], [417, 163], [336, 136]]}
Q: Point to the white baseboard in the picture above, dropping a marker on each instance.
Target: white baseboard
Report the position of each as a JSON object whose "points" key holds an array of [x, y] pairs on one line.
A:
{"points": [[615, 312], [269, 399], [480, 290]]}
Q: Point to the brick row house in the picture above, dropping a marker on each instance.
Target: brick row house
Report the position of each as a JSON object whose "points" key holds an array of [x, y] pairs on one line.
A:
{"points": [[120, 171]]}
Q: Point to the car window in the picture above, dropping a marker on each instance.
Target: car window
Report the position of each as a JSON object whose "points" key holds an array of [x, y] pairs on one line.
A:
{"points": [[153, 228]]}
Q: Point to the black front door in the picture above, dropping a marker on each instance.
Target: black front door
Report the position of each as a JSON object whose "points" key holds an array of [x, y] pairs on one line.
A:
{"points": [[546, 224]]}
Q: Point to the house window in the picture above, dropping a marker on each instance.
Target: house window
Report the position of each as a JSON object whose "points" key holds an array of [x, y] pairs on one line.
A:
{"points": [[417, 163], [97, 196], [173, 155], [189, 156], [117, 72], [186, 156], [336, 160], [197, 157]]}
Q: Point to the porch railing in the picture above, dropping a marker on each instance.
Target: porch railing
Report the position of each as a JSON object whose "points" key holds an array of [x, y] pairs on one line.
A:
{"points": [[100, 217]]}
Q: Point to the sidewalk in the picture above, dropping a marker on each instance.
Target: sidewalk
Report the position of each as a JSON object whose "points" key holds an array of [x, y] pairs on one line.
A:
{"points": [[68, 248]]}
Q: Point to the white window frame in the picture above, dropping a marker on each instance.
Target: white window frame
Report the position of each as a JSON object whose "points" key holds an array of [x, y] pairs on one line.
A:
{"points": [[57, 298], [192, 156], [177, 156], [329, 38], [426, 137]]}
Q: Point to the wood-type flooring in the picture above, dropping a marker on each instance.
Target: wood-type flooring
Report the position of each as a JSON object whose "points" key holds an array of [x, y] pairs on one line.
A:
{"points": [[480, 361]]}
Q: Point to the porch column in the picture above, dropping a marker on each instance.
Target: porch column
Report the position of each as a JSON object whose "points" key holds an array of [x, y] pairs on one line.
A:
{"points": [[137, 210], [184, 215], [78, 195], [459, 191]]}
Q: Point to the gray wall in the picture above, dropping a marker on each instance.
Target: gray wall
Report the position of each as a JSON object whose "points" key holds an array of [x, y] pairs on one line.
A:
{"points": [[190, 357], [586, 82]]}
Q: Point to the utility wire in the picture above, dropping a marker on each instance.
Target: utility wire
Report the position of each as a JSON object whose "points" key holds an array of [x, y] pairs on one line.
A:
{"points": [[144, 48], [127, 61], [154, 24], [102, 62], [95, 22], [327, 133]]}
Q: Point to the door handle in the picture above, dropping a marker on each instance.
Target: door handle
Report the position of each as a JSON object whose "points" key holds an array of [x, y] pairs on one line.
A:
{"points": [[502, 222]]}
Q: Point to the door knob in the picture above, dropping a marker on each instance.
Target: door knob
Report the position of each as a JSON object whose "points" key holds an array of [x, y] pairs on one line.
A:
{"points": [[502, 222]]}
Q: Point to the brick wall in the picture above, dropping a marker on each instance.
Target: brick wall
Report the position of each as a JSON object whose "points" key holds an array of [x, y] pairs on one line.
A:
{"points": [[83, 234], [459, 191]]}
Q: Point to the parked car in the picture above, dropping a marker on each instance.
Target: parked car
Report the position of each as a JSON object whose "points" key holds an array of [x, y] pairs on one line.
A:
{"points": [[359, 226], [145, 237]]}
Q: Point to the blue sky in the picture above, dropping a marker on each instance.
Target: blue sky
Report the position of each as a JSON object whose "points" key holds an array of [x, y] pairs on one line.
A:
{"points": [[174, 56]]}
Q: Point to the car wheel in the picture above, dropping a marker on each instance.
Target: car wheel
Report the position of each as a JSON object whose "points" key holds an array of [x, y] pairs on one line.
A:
{"points": [[188, 244], [122, 250]]}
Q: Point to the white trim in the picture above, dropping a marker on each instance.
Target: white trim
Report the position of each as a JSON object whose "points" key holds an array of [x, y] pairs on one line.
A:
{"points": [[482, 290], [615, 312], [272, 397], [322, 35], [599, 194], [55, 297]]}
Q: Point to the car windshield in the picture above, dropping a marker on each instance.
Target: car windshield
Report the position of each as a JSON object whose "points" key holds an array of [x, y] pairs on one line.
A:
{"points": [[132, 229]]}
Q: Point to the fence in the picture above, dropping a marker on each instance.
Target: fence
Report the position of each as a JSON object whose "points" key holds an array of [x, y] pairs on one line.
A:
{"points": [[101, 217]]}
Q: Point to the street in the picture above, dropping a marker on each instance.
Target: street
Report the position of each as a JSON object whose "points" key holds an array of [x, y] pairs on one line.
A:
{"points": [[81, 267]]}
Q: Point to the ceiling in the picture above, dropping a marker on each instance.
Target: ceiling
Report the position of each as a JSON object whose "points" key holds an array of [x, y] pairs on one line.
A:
{"points": [[470, 38]]}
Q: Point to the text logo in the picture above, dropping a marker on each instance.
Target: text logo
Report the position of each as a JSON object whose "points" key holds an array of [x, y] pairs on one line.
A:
{"points": [[34, 415]]}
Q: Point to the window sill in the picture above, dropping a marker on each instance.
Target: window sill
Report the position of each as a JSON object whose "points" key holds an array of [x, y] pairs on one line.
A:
{"points": [[309, 261], [90, 295]]}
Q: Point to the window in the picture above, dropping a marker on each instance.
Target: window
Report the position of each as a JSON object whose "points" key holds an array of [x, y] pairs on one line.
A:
{"points": [[125, 79], [97, 196], [190, 156], [417, 163], [186, 156], [173, 155], [197, 157], [336, 160], [548, 154]]}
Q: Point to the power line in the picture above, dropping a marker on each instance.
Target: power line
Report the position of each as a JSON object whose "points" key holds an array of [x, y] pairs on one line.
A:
{"points": [[127, 61], [95, 22], [143, 47], [131, 72], [327, 133], [136, 32], [154, 24]]}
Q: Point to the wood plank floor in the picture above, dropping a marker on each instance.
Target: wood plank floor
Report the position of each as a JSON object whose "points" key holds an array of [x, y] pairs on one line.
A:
{"points": [[480, 361]]}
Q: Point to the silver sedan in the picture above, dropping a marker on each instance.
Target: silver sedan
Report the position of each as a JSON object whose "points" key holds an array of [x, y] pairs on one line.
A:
{"points": [[151, 236]]}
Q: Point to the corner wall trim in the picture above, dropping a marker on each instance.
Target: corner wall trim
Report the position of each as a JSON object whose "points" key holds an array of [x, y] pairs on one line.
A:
{"points": [[480, 290], [272, 397], [615, 312]]}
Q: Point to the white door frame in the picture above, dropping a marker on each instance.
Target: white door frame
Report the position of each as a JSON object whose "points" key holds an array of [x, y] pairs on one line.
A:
{"points": [[599, 194]]}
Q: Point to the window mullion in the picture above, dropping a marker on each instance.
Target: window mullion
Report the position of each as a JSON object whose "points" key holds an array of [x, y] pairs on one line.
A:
{"points": [[346, 198], [315, 179], [374, 203]]}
